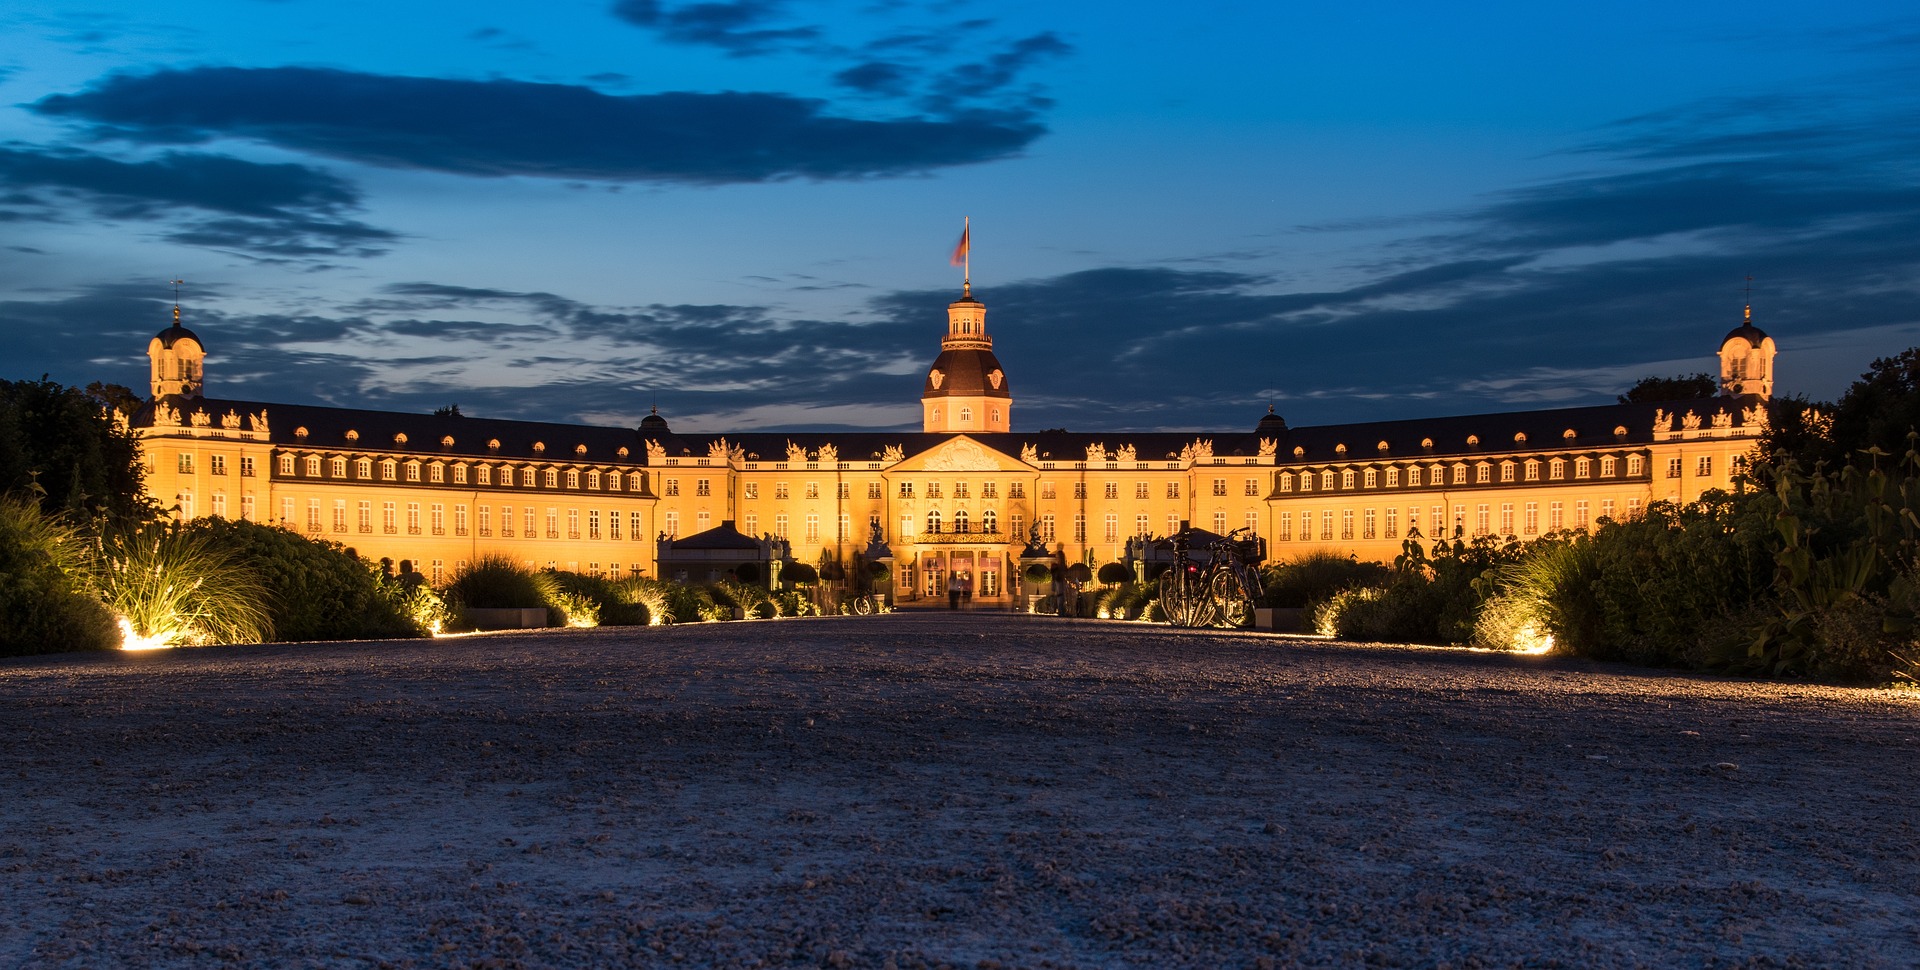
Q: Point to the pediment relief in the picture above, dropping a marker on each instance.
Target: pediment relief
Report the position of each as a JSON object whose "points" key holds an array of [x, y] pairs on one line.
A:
{"points": [[960, 454]]}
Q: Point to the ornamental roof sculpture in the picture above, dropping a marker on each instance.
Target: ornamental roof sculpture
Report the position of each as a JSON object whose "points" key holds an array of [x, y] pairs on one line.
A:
{"points": [[1125, 453], [829, 454], [1030, 454], [796, 452], [893, 454], [1097, 451]]}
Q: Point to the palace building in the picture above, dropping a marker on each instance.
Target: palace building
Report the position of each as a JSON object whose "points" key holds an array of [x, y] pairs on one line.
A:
{"points": [[966, 495]]}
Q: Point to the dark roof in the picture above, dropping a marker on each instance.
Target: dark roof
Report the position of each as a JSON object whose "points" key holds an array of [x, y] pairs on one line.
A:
{"points": [[175, 333], [964, 373], [1747, 331], [327, 431], [1545, 430], [722, 536], [654, 420], [1270, 423]]}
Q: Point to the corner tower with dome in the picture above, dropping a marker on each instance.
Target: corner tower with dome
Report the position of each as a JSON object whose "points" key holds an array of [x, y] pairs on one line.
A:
{"points": [[966, 389]]}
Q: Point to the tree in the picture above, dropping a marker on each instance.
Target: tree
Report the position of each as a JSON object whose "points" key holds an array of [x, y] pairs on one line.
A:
{"points": [[1880, 408], [450, 411], [1685, 387], [65, 442]]}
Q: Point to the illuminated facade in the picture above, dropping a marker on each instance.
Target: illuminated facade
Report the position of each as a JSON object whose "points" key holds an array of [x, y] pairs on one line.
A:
{"points": [[960, 497]]}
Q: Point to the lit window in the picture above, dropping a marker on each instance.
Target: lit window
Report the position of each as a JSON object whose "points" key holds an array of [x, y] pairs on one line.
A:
{"points": [[1346, 478], [388, 470], [573, 478], [338, 467], [1173, 489], [217, 464], [1220, 485], [313, 467], [780, 491], [413, 472], [873, 490], [1704, 466], [1286, 482], [1371, 480], [906, 489], [1113, 490], [186, 464], [1017, 490], [1079, 489], [813, 490], [1557, 469], [1506, 471], [750, 490], [966, 415], [1393, 478], [703, 487], [1482, 474], [673, 488], [553, 478], [1533, 471], [1583, 468]]}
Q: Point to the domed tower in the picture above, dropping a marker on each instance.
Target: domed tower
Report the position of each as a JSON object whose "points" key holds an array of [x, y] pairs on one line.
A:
{"points": [[966, 389], [176, 360], [1746, 361]]}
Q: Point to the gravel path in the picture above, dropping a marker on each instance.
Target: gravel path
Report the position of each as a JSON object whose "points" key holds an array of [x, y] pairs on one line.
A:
{"points": [[928, 789]]}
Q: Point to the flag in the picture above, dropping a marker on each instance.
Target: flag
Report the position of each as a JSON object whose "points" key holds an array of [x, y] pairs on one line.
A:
{"points": [[960, 251]]}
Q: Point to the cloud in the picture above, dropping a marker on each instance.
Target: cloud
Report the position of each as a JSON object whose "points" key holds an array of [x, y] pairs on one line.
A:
{"points": [[737, 26], [279, 209], [965, 84], [503, 128]]}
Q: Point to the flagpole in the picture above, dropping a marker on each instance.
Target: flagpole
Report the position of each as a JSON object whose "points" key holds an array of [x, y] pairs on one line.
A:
{"points": [[966, 273]]}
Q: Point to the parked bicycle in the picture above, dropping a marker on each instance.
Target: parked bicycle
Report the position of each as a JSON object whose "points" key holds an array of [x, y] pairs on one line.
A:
{"points": [[1220, 592]]}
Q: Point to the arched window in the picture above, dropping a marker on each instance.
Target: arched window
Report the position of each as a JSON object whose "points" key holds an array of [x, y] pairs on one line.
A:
{"points": [[960, 521], [933, 521], [966, 415], [996, 415], [936, 415], [989, 522]]}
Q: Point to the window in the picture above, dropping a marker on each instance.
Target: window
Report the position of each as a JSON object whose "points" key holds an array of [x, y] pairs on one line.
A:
{"points": [[506, 520], [413, 518], [1140, 490], [634, 530], [1580, 514], [1141, 524], [1079, 489], [1286, 528], [1609, 465], [593, 523], [636, 481], [1367, 524], [703, 487], [1506, 518], [966, 415], [845, 526], [1173, 522], [1673, 467], [313, 466], [1482, 473], [906, 489], [593, 479], [1080, 527], [1636, 466], [750, 490], [1393, 478], [573, 478], [813, 527], [959, 489], [1556, 516], [1017, 490], [1413, 519], [1533, 470], [1326, 482], [1371, 479], [1482, 520], [413, 471], [1346, 523], [459, 520], [1173, 489], [1284, 482], [553, 523], [1506, 471], [219, 507], [1046, 490], [1557, 470], [553, 478], [960, 523], [1413, 478], [1704, 466], [1532, 523], [217, 464], [933, 489], [1459, 474], [337, 468], [486, 520], [1346, 478], [1326, 526], [873, 490], [873, 523], [672, 523], [752, 523], [246, 466], [813, 490], [1606, 508], [906, 527], [1111, 490], [436, 473], [388, 524], [673, 488], [1113, 527], [439, 519], [483, 474], [1583, 468], [845, 490], [528, 528], [439, 574], [186, 464], [313, 515], [933, 521], [390, 470], [364, 520], [1220, 522], [1017, 524], [246, 507], [1220, 485], [1253, 521], [1393, 524], [1046, 527], [780, 491]]}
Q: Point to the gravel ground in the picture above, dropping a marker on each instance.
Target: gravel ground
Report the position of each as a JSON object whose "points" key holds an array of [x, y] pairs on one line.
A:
{"points": [[930, 789]]}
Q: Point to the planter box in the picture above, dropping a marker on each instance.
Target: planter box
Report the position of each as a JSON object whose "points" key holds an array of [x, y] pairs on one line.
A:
{"points": [[1281, 620], [507, 619]]}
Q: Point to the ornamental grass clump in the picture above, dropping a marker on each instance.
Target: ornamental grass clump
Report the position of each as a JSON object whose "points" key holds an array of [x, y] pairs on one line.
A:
{"points": [[176, 586], [495, 582], [48, 602]]}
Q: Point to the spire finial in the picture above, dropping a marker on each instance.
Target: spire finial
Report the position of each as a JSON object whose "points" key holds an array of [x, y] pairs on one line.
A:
{"points": [[176, 301], [963, 257], [1749, 299]]}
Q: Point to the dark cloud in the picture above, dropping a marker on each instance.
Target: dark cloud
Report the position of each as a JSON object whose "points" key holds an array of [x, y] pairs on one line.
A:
{"points": [[970, 83], [279, 209], [739, 27], [876, 77], [499, 128]]}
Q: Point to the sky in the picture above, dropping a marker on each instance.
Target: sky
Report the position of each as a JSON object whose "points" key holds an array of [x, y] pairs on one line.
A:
{"points": [[741, 211]]}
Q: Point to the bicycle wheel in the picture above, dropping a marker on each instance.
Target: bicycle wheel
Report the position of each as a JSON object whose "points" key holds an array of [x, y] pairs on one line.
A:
{"points": [[863, 605], [1229, 603]]}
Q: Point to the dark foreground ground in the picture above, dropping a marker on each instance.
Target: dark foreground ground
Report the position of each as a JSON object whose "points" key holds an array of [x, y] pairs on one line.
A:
{"points": [[920, 790]]}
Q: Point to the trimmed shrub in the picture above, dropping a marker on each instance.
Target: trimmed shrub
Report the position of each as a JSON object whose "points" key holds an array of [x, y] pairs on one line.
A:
{"points": [[1309, 579], [319, 590]]}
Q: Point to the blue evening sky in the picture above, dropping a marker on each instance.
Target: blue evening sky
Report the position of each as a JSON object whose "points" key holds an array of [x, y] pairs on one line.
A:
{"points": [[742, 209]]}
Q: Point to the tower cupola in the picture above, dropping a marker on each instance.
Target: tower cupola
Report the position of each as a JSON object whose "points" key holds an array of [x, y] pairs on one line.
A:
{"points": [[1746, 360], [176, 360], [966, 389]]}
